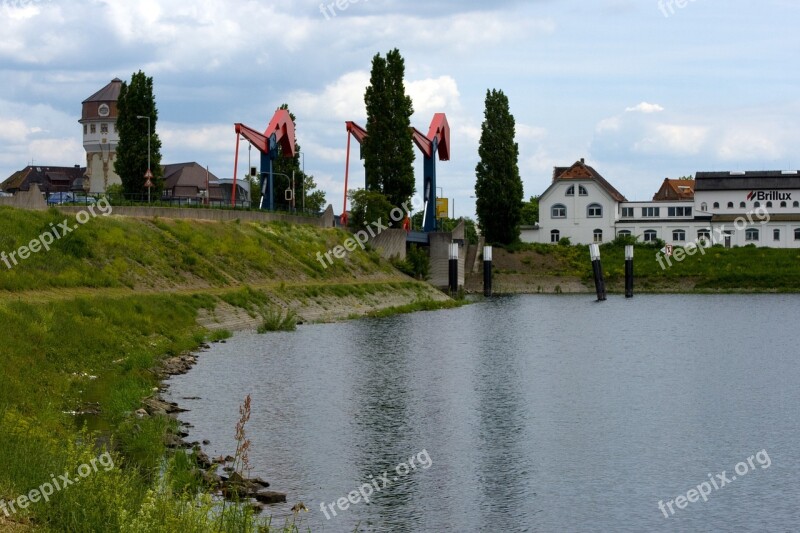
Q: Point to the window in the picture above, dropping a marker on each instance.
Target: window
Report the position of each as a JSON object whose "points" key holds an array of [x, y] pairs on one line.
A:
{"points": [[679, 235], [555, 236], [594, 211], [783, 204], [104, 128], [797, 234], [796, 204], [730, 205], [704, 207], [757, 204], [92, 128], [627, 212], [582, 191], [627, 233], [742, 205], [776, 234], [769, 204], [704, 235], [598, 235], [751, 235], [651, 212], [570, 191], [85, 129], [558, 211], [679, 211], [650, 235], [716, 205]]}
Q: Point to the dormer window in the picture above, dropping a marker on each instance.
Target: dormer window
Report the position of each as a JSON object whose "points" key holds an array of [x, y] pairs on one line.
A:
{"points": [[570, 191]]}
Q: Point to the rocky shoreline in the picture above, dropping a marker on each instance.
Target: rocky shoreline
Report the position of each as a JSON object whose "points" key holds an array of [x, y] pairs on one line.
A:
{"points": [[229, 484]]}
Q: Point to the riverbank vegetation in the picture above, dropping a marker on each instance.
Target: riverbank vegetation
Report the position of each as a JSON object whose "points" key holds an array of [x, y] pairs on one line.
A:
{"points": [[526, 267], [87, 324]]}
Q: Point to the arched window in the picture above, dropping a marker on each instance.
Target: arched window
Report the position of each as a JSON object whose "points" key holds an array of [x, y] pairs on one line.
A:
{"points": [[570, 191], [796, 204], [783, 204], [594, 211], [769, 205], [625, 233], [558, 211], [598, 235], [650, 235], [555, 236], [730, 205], [704, 235], [716, 205], [679, 235], [757, 204], [797, 234], [704, 207], [742, 205], [582, 191], [751, 235]]}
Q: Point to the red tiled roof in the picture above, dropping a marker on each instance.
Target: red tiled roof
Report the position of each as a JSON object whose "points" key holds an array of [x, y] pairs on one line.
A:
{"points": [[582, 171]]}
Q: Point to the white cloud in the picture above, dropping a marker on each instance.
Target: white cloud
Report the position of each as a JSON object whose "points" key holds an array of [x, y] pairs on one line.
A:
{"points": [[673, 139], [644, 107]]}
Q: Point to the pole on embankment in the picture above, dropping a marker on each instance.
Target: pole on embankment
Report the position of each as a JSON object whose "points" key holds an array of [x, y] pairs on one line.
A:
{"points": [[597, 272], [487, 271], [629, 271], [453, 273]]}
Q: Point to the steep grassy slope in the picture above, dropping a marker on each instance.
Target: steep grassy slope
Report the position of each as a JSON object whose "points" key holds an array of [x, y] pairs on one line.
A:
{"points": [[82, 326]]}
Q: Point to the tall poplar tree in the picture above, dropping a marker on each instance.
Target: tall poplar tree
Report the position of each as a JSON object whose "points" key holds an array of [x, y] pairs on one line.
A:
{"points": [[137, 99], [388, 151], [498, 186]]}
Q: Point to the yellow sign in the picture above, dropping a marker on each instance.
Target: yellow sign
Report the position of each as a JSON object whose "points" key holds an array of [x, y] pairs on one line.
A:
{"points": [[442, 208]]}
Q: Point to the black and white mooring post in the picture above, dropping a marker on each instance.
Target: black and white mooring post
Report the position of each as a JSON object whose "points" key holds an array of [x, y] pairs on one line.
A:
{"points": [[487, 271], [453, 278], [629, 271], [597, 270]]}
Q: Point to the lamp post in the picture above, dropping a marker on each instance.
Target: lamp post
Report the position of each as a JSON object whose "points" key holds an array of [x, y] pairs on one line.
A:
{"points": [[149, 172]]}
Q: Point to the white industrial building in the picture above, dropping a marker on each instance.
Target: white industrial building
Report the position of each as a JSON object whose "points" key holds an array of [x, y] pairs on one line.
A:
{"points": [[728, 208]]}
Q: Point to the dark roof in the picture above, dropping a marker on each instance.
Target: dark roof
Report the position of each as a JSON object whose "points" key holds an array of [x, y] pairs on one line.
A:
{"points": [[109, 93], [186, 174], [22, 179], [746, 181], [580, 170]]}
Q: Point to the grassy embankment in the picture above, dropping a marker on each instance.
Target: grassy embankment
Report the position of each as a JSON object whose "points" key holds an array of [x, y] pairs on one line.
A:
{"points": [[84, 324], [546, 268]]}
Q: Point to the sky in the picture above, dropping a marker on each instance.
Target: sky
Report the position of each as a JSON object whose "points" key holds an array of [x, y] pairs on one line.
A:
{"points": [[642, 89]]}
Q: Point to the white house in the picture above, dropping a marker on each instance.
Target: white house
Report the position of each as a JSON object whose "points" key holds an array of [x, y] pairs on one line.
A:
{"points": [[730, 208]]}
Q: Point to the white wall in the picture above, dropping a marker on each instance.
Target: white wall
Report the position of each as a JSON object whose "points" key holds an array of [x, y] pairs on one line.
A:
{"points": [[577, 226]]}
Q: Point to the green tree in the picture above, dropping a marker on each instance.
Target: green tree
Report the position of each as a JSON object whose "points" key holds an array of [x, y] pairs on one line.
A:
{"points": [[288, 166], [530, 212], [136, 99], [388, 151], [498, 186], [368, 207]]}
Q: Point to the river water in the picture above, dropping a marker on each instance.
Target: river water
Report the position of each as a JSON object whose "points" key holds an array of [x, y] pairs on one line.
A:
{"points": [[525, 413]]}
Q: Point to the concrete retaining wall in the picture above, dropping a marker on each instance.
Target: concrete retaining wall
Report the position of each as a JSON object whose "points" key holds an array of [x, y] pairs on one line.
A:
{"points": [[30, 199], [390, 243], [440, 259]]}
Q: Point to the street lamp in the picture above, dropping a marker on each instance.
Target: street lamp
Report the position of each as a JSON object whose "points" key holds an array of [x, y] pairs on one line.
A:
{"points": [[148, 152]]}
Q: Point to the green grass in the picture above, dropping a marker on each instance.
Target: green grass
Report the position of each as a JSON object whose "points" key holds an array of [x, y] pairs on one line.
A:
{"points": [[713, 269], [85, 324]]}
